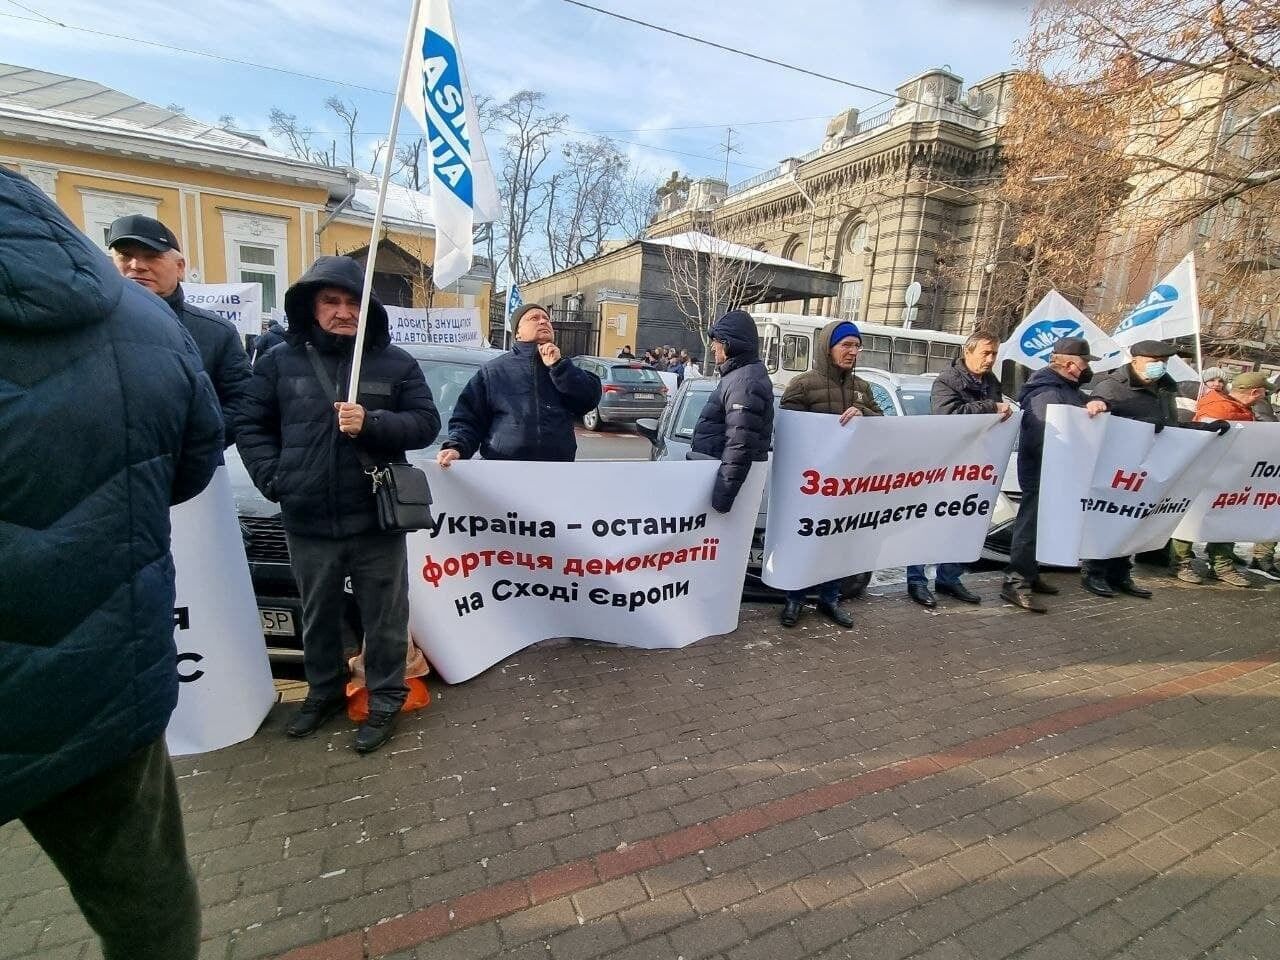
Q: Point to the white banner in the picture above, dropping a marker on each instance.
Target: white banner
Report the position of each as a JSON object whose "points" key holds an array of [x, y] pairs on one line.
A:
{"points": [[241, 303], [446, 326], [525, 552], [1242, 498], [225, 690], [1053, 318], [462, 181], [880, 492], [1111, 487], [1169, 310]]}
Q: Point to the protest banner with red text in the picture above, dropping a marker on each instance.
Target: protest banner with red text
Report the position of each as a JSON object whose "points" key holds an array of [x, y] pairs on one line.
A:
{"points": [[1241, 500]]}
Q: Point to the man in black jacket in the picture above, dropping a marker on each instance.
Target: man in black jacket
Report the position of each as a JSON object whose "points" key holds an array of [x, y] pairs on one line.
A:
{"points": [[736, 424], [107, 421], [522, 405], [146, 252], [966, 386], [1059, 382], [300, 452], [267, 339]]}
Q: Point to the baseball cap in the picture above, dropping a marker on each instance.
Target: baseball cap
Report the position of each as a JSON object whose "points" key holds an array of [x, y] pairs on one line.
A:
{"points": [[1153, 349], [1248, 381], [144, 230], [1074, 347]]}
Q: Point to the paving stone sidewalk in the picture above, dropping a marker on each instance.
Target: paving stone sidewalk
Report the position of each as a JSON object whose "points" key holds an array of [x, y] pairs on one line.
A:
{"points": [[977, 782]]}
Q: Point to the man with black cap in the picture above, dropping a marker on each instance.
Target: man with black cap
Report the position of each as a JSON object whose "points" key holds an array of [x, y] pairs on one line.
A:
{"points": [[522, 405], [146, 252], [1059, 382], [298, 439], [1140, 390]]}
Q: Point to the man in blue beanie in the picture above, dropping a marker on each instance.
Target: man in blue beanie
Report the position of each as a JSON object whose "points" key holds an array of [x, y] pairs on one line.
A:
{"points": [[736, 425], [830, 387]]}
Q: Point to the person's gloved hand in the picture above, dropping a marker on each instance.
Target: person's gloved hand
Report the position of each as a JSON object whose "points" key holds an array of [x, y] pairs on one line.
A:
{"points": [[1221, 427], [1159, 425]]}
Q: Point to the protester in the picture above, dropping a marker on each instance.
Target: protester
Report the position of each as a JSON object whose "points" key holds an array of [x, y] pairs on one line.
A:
{"points": [[1215, 379], [274, 334], [108, 419], [522, 405], [693, 368], [147, 252], [298, 439], [625, 353], [1222, 408], [1140, 390], [677, 367], [830, 386], [736, 423], [966, 386], [1059, 382], [1264, 554]]}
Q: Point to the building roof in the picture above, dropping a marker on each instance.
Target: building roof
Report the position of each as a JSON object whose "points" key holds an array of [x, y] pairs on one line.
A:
{"points": [[41, 105], [403, 206], [705, 243]]}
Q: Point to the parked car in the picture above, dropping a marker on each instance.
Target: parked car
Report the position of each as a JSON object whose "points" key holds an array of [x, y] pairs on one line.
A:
{"points": [[447, 369], [630, 390], [896, 394]]}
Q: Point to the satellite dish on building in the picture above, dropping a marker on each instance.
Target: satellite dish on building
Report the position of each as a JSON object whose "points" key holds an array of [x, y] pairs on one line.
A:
{"points": [[912, 296]]}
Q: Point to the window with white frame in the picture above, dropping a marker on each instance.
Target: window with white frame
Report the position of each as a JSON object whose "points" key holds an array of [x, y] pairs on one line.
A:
{"points": [[101, 209], [850, 300], [257, 252]]}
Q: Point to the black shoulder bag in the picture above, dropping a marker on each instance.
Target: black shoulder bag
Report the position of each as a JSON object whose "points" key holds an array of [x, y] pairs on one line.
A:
{"points": [[400, 491]]}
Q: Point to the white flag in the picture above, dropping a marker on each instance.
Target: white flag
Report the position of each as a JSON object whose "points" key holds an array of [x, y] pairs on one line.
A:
{"points": [[462, 182], [1053, 318], [1169, 310]]}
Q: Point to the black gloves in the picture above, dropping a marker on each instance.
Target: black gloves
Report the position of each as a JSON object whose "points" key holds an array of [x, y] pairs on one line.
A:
{"points": [[1221, 427]]}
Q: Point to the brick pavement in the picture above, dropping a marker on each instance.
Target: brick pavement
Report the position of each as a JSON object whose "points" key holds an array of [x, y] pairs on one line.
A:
{"points": [[976, 783]]}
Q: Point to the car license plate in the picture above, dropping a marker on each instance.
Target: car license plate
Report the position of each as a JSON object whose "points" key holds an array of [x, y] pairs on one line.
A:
{"points": [[277, 623], [645, 396]]}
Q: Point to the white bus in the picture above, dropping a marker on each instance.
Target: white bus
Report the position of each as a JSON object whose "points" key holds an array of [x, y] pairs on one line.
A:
{"points": [[788, 342]]}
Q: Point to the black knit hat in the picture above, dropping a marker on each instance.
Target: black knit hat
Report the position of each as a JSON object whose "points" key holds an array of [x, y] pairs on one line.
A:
{"points": [[515, 317]]}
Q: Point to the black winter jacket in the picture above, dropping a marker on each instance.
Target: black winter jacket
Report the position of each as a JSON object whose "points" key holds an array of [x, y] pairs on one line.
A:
{"points": [[288, 432], [736, 424], [273, 335], [106, 419], [1128, 396], [518, 408], [1042, 388], [957, 390], [221, 352]]}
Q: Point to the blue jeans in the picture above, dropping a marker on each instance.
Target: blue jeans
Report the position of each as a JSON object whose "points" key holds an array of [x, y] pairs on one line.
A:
{"points": [[828, 592], [948, 573]]}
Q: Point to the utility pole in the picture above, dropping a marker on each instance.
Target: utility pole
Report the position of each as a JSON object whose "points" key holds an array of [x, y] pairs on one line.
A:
{"points": [[728, 148]]}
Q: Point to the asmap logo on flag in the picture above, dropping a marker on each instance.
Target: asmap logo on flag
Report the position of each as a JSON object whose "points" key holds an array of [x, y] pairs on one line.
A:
{"points": [[1053, 318], [1169, 310]]}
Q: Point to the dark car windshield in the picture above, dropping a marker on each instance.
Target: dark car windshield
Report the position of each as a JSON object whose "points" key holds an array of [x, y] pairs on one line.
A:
{"points": [[915, 403], [634, 375], [446, 380]]}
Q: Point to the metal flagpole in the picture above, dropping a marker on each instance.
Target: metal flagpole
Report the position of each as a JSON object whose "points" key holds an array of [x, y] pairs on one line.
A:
{"points": [[1195, 301], [353, 388]]}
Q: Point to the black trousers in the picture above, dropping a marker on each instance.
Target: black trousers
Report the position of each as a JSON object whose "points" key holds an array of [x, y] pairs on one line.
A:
{"points": [[1113, 570], [117, 840], [1022, 552], [378, 567]]}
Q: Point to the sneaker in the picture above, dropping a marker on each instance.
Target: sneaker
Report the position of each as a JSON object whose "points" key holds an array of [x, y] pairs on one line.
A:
{"points": [[312, 716], [1226, 572], [375, 731], [1187, 573], [1265, 566]]}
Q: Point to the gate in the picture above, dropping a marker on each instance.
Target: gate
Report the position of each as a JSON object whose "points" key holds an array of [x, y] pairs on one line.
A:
{"points": [[577, 331]]}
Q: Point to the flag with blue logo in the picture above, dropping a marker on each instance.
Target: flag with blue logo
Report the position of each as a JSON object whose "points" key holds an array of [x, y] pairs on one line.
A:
{"points": [[1170, 310], [1053, 318], [463, 188], [514, 303]]}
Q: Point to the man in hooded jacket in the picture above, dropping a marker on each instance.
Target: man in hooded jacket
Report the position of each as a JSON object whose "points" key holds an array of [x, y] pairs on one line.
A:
{"points": [[522, 405], [108, 419], [736, 423], [1059, 382], [830, 387], [298, 440]]}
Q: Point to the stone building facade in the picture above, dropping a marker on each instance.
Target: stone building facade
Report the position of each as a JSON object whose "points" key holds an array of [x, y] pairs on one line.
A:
{"points": [[905, 194]]}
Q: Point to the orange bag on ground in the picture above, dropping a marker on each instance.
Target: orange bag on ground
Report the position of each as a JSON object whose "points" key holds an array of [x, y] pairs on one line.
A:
{"points": [[415, 670]]}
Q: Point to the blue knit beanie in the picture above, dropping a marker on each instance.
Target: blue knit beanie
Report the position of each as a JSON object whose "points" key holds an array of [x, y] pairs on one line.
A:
{"points": [[843, 330]]}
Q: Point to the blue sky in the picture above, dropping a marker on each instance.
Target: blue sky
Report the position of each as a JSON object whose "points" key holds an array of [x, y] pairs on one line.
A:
{"points": [[605, 74]]}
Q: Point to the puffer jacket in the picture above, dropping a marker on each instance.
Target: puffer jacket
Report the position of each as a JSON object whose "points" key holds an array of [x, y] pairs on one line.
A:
{"points": [[274, 334], [826, 388], [1042, 388], [958, 391], [288, 433], [518, 408], [222, 353], [106, 419], [736, 424]]}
